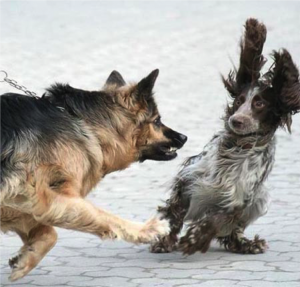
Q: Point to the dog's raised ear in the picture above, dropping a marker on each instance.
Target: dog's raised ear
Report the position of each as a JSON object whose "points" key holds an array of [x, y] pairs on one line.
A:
{"points": [[286, 85], [116, 79], [145, 86], [251, 58]]}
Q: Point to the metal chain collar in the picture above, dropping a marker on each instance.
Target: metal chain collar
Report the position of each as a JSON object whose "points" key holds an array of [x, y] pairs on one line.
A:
{"points": [[14, 84]]}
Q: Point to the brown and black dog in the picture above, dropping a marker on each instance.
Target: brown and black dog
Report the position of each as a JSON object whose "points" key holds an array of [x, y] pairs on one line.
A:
{"points": [[56, 148]]}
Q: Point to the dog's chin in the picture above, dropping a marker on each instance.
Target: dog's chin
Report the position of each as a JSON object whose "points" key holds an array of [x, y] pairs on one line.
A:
{"points": [[242, 131], [159, 153]]}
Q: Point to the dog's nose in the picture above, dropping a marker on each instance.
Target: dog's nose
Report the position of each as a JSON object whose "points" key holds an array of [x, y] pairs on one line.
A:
{"points": [[183, 138], [236, 123]]}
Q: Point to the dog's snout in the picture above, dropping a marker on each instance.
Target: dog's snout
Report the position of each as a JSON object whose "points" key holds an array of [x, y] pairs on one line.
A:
{"points": [[183, 138], [237, 123]]}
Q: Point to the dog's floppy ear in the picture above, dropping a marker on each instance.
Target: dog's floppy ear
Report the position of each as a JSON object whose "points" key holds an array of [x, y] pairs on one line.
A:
{"points": [[115, 78], [145, 86], [286, 85], [251, 58]]}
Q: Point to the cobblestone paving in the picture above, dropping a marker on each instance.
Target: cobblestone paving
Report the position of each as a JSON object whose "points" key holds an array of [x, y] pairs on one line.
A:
{"points": [[191, 43]]}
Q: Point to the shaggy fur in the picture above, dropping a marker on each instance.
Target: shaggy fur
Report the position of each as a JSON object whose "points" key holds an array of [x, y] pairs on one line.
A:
{"points": [[219, 192], [55, 149]]}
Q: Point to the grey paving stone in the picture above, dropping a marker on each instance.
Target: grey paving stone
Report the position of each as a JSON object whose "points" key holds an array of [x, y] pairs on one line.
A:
{"points": [[268, 284], [218, 283], [127, 272], [287, 266]]}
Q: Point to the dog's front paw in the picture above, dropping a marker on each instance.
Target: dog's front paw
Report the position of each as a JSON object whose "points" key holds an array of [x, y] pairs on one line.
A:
{"points": [[137, 232], [165, 244], [255, 246], [243, 245], [153, 229]]}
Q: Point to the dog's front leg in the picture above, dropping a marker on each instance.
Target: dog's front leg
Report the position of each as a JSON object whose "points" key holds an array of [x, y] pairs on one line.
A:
{"points": [[174, 211], [78, 214], [237, 242], [198, 236], [201, 232], [52, 196]]}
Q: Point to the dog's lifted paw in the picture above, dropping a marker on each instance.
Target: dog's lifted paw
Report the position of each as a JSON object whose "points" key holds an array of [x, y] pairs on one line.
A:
{"points": [[153, 229], [20, 265], [138, 232]]}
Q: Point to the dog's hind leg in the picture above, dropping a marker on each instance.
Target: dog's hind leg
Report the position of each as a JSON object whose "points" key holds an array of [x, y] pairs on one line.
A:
{"points": [[37, 243], [174, 211]]}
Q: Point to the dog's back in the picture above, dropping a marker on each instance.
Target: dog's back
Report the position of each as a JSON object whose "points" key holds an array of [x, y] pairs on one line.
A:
{"points": [[31, 129]]}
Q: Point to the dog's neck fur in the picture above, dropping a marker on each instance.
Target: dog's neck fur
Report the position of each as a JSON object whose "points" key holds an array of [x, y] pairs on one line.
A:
{"points": [[107, 120], [115, 141], [232, 140]]}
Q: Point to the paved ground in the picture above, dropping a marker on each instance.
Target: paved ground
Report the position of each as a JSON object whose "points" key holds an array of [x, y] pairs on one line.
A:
{"points": [[191, 43]]}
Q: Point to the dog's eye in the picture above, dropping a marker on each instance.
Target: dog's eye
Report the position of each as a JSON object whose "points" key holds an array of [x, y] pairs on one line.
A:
{"points": [[238, 103], [157, 121], [259, 104]]}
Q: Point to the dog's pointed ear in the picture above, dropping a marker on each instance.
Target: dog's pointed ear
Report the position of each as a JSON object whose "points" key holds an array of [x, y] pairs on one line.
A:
{"points": [[286, 86], [145, 86], [251, 58], [115, 78]]}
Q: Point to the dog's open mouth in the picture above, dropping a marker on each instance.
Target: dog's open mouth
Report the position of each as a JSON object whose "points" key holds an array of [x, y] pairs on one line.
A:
{"points": [[160, 152], [170, 151]]}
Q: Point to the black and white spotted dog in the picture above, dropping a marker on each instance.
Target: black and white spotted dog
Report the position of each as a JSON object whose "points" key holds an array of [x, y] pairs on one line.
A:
{"points": [[219, 192]]}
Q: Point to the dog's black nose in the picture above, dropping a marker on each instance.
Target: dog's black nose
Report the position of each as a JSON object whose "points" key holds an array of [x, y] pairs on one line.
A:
{"points": [[183, 138], [236, 123]]}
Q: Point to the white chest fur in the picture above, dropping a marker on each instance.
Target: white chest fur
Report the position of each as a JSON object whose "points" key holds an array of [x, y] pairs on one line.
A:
{"points": [[227, 178]]}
